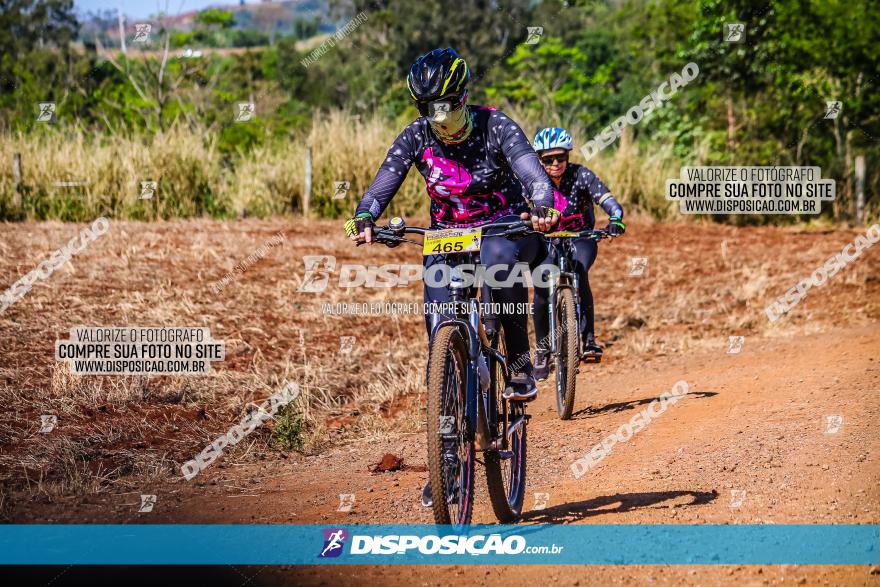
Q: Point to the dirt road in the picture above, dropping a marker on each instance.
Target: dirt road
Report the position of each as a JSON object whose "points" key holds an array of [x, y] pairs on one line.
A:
{"points": [[754, 423], [782, 432]]}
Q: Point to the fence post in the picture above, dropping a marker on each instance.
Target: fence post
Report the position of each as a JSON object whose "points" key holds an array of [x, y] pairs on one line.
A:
{"points": [[860, 189], [16, 181], [121, 20], [307, 187]]}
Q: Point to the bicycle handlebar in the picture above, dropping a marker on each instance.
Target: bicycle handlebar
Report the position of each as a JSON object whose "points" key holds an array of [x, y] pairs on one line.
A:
{"points": [[595, 233], [391, 237]]}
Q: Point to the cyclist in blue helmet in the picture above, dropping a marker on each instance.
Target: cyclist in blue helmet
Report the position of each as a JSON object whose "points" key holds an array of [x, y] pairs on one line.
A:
{"points": [[581, 189]]}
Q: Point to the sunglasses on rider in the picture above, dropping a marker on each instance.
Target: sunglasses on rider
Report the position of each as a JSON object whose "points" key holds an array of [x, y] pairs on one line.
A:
{"points": [[444, 104], [551, 159]]}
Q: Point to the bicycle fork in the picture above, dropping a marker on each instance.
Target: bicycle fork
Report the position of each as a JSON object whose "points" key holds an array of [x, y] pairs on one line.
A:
{"points": [[576, 288], [573, 283]]}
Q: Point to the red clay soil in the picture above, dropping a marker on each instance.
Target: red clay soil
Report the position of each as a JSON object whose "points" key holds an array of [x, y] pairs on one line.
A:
{"points": [[752, 441]]}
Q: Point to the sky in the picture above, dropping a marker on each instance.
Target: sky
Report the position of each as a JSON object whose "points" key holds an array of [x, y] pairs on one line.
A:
{"points": [[144, 8]]}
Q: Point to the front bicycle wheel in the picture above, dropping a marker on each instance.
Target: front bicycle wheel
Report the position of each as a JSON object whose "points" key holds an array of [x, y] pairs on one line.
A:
{"points": [[450, 441], [506, 463], [567, 353]]}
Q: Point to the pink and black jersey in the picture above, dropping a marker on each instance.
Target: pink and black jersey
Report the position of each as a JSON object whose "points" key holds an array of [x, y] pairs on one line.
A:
{"points": [[580, 188], [489, 175]]}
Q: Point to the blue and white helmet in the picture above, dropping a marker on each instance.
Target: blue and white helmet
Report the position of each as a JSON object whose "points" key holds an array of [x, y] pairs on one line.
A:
{"points": [[552, 138]]}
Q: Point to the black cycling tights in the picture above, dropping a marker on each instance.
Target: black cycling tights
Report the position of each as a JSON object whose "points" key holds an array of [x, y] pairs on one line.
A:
{"points": [[499, 251], [584, 251]]}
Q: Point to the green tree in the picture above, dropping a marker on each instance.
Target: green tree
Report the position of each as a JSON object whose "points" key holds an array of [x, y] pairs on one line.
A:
{"points": [[215, 17], [26, 28]]}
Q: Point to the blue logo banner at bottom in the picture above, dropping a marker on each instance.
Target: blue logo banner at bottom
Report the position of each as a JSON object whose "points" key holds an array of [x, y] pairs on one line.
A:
{"points": [[175, 544]]}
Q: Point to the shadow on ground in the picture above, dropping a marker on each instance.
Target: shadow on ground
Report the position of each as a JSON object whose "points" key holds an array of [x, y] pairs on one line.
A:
{"points": [[590, 411], [567, 513]]}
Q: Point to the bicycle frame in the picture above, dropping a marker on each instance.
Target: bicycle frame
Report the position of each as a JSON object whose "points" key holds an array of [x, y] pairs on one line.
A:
{"points": [[463, 340], [470, 324], [567, 279]]}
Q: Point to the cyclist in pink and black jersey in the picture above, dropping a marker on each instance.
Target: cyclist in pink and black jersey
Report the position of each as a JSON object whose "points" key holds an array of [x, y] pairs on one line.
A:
{"points": [[479, 167]]}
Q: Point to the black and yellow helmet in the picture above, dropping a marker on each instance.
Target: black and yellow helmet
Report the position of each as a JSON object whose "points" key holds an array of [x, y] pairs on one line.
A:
{"points": [[439, 73]]}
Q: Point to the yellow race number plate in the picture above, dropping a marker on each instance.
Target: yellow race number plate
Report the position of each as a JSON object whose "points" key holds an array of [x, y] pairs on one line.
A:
{"points": [[452, 240], [562, 233]]}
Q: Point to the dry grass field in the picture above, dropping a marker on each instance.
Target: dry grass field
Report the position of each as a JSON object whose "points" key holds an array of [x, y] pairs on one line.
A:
{"points": [[77, 177]]}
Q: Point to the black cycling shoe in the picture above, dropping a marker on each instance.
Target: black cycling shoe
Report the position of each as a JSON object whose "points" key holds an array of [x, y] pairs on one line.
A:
{"points": [[592, 351], [428, 501], [522, 388], [542, 366]]}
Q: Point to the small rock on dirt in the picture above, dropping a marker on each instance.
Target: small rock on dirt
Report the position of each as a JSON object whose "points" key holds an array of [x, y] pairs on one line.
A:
{"points": [[388, 463]]}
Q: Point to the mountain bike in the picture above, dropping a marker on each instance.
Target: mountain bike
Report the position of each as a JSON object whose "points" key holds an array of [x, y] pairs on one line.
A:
{"points": [[467, 373], [565, 311]]}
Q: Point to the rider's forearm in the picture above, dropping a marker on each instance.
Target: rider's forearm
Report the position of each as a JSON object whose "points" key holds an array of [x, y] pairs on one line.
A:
{"points": [[391, 174], [599, 192], [522, 159], [611, 206], [532, 175], [380, 192]]}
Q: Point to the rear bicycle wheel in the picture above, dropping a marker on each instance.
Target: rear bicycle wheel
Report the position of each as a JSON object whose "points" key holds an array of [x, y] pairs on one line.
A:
{"points": [[567, 354], [450, 441], [506, 465]]}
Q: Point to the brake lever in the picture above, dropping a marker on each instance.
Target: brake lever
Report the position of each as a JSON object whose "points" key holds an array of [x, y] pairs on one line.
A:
{"points": [[599, 235], [389, 240], [376, 240], [516, 231]]}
